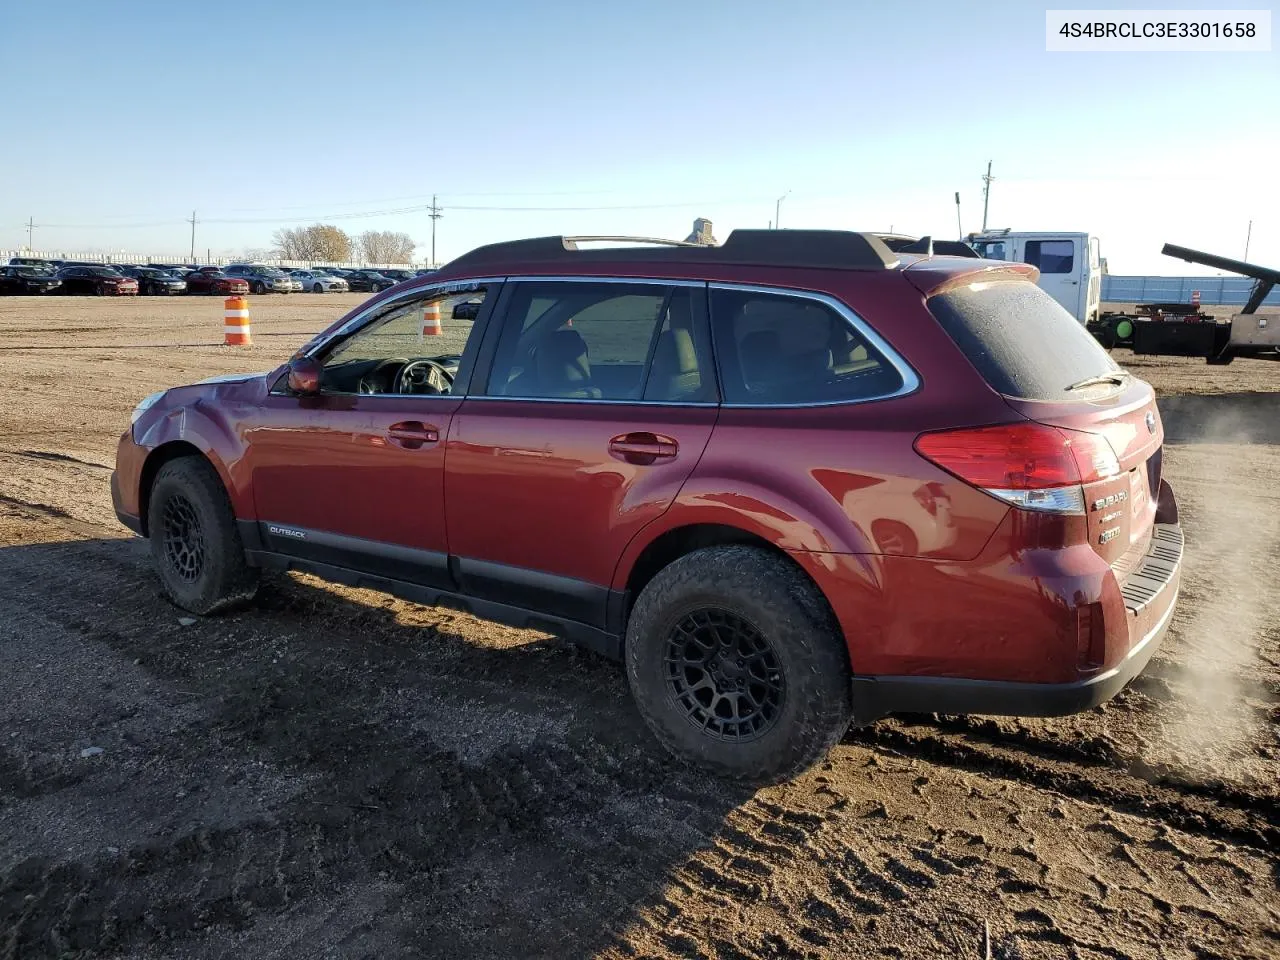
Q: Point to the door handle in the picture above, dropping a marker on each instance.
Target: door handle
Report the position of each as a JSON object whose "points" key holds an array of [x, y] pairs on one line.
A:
{"points": [[412, 434], [643, 448]]}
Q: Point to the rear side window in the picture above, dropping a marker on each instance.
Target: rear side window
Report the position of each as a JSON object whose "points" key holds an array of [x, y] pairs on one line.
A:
{"points": [[785, 349], [604, 341], [1021, 340], [1052, 256]]}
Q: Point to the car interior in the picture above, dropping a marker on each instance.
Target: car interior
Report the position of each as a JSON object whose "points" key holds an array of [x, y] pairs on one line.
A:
{"points": [[597, 345], [794, 351], [390, 356]]}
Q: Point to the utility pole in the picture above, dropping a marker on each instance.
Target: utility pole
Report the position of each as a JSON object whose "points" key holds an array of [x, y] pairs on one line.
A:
{"points": [[959, 229], [1248, 235], [435, 215], [777, 211], [31, 225], [192, 221], [986, 194]]}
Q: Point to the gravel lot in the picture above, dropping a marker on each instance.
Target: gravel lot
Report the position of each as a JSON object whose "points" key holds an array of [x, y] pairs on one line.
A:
{"points": [[337, 773]]}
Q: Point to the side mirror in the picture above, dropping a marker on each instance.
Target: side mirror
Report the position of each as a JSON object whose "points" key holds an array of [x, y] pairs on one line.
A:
{"points": [[304, 377], [467, 310]]}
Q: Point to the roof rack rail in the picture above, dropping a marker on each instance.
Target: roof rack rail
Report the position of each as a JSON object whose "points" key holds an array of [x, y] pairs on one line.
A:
{"points": [[571, 243], [832, 249], [899, 243]]}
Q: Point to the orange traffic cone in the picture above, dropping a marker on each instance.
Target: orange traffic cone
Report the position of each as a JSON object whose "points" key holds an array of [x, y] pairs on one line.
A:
{"points": [[431, 326], [235, 324], [1195, 298]]}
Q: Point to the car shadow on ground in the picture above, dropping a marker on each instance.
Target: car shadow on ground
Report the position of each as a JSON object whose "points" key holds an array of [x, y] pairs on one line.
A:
{"points": [[496, 787], [1247, 417]]}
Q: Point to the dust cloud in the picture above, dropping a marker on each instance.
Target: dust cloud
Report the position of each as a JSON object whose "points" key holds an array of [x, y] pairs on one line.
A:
{"points": [[1213, 723]]}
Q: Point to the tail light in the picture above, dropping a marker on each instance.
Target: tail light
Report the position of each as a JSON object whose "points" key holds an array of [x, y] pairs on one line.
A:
{"points": [[1029, 465]]}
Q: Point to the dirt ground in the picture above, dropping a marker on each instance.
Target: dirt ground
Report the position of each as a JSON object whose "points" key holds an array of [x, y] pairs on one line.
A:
{"points": [[335, 773]]}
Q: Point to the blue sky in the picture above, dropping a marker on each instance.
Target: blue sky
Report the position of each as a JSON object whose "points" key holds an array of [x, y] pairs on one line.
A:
{"points": [[124, 117]]}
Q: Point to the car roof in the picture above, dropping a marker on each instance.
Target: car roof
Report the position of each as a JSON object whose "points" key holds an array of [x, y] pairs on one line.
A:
{"points": [[772, 257]]}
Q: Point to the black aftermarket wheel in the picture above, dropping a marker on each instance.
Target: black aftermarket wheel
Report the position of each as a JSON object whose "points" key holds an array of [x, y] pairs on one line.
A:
{"points": [[194, 541], [724, 674], [736, 663]]}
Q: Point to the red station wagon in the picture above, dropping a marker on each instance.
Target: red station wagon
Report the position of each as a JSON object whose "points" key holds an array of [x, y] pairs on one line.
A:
{"points": [[792, 481]]}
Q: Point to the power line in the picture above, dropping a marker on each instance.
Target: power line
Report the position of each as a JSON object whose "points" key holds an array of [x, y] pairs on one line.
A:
{"points": [[423, 196], [416, 208]]}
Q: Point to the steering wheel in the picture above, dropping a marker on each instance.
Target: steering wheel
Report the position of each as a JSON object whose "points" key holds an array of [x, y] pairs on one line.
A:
{"points": [[376, 381], [424, 376]]}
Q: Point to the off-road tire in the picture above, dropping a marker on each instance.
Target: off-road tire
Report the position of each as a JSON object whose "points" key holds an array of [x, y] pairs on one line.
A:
{"points": [[771, 595], [222, 578]]}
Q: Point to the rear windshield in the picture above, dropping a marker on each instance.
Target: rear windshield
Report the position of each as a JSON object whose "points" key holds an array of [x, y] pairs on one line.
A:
{"points": [[1022, 341]]}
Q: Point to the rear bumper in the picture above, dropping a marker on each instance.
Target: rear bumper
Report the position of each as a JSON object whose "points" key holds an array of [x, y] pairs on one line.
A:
{"points": [[875, 697], [1150, 596]]}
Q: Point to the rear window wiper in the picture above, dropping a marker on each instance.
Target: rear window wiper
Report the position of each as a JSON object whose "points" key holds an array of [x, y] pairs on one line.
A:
{"points": [[1116, 377]]}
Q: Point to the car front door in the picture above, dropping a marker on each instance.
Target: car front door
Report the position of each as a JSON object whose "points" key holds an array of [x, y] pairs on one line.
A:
{"points": [[353, 477], [598, 399]]}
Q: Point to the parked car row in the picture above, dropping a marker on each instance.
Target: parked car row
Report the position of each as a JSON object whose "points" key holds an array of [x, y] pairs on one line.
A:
{"points": [[30, 276]]}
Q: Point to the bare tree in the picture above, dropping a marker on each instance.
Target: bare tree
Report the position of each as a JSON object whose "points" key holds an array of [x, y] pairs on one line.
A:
{"points": [[255, 254], [320, 241], [386, 246]]}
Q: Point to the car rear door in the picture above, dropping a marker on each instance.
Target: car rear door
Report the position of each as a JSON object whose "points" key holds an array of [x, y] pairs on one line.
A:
{"points": [[597, 401]]}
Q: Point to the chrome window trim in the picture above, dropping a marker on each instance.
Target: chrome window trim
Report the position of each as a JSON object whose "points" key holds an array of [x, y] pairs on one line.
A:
{"points": [[647, 281], [642, 281], [910, 379]]}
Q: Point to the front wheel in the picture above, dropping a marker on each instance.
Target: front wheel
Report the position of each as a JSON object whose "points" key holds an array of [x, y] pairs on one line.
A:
{"points": [[259, 289], [194, 541], [317, 289], [736, 663]]}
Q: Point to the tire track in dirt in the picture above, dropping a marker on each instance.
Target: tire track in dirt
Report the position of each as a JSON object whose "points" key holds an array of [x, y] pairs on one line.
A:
{"points": [[392, 803], [1097, 752], [53, 457], [44, 511], [849, 879], [1221, 814]]}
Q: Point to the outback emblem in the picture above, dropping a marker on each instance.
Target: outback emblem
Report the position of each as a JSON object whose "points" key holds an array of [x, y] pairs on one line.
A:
{"points": [[286, 532], [1151, 422]]}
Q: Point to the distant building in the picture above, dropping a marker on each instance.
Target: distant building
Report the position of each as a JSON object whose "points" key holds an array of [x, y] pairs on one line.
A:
{"points": [[702, 233]]}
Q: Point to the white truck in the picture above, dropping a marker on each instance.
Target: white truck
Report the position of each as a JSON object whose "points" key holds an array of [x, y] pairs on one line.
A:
{"points": [[1070, 265]]}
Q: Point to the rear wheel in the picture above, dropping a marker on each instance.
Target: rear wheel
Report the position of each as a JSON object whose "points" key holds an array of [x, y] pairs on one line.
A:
{"points": [[736, 664], [259, 288], [194, 541], [317, 289]]}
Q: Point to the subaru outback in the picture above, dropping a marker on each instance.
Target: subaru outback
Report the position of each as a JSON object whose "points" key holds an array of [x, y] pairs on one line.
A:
{"points": [[792, 482]]}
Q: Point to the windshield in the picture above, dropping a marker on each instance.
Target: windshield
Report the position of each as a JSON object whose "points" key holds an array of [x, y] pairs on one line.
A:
{"points": [[103, 272]]}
